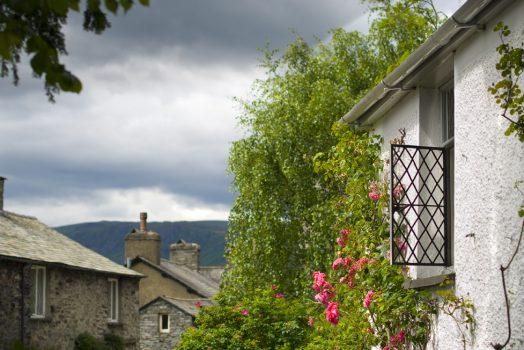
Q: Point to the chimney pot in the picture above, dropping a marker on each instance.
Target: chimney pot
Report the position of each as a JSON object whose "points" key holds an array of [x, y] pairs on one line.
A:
{"points": [[143, 222], [2, 179]]}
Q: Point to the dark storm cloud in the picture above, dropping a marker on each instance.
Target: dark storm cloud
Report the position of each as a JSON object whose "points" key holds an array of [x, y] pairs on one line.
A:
{"points": [[210, 31]]}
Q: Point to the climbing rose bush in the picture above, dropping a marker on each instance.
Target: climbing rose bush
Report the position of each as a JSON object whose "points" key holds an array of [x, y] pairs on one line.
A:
{"points": [[360, 301]]}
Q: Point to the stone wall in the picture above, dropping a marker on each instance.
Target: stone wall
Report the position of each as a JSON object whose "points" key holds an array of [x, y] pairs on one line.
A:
{"points": [[76, 302], [150, 336], [10, 303]]}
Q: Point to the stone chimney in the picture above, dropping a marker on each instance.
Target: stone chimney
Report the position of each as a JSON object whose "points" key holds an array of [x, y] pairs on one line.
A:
{"points": [[143, 243], [186, 254], [2, 180]]}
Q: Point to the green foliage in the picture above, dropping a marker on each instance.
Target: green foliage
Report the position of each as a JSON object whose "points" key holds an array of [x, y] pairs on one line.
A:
{"points": [[19, 346], [507, 92], [353, 165], [280, 228], [35, 27], [86, 341], [399, 27], [268, 323], [113, 341]]}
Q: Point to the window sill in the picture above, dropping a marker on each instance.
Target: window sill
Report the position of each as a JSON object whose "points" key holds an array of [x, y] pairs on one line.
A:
{"points": [[429, 282], [40, 318], [114, 323]]}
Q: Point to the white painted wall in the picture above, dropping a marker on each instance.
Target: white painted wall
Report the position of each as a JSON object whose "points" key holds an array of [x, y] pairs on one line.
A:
{"points": [[487, 165]]}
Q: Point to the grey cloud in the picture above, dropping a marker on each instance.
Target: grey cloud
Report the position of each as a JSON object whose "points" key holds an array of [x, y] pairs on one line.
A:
{"points": [[206, 31]]}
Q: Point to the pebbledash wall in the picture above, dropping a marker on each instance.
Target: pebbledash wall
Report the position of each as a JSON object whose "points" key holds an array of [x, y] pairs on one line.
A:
{"points": [[487, 167], [77, 301]]}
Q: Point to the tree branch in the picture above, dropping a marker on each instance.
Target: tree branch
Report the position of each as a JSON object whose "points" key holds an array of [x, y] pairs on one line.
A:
{"points": [[503, 268]]}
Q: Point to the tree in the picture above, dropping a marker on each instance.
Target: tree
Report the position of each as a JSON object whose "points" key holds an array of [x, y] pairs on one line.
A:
{"points": [[280, 229], [34, 27]]}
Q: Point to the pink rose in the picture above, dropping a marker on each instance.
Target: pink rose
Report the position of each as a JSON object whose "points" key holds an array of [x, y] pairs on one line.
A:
{"points": [[344, 233], [373, 196], [332, 313], [319, 279], [368, 299], [244, 312], [341, 242], [323, 297], [198, 304], [400, 336], [397, 339], [339, 262], [279, 295], [310, 321], [398, 190]]}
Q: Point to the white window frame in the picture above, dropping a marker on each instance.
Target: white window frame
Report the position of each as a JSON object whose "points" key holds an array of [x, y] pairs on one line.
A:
{"points": [[113, 318], [164, 330], [36, 295]]}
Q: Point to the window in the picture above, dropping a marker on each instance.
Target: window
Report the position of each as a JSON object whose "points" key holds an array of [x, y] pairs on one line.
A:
{"points": [[39, 291], [419, 232], [421, 222], [163, 321], [113, 300]]}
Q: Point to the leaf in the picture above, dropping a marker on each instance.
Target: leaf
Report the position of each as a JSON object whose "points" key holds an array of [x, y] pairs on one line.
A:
{"points": [[126, 4], [112, 5], [60, 7], [74, 5], [144, 2], [8, 43]]}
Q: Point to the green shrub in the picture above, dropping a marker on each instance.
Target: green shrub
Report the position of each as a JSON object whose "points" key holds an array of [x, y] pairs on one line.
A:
{"points": [[86, 341], [266, 321], [114, 342]]}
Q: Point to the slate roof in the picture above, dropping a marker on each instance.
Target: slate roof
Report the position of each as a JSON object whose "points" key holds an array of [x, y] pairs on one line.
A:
{"points": [[25, 238], [186, 305], [201, 284]]}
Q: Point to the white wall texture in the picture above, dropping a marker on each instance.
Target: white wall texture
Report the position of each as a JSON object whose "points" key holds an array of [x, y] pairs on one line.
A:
{"points": [[487, 166]]}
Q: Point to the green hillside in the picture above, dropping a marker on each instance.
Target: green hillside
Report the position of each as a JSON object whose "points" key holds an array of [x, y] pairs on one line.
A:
{"points": [[107, 237]]}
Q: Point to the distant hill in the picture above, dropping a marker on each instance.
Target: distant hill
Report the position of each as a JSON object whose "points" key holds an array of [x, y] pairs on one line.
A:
{"points": [[107, 237]]}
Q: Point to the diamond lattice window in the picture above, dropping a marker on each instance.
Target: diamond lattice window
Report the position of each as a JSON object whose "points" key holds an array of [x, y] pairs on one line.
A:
{"points": [[419, 213]]}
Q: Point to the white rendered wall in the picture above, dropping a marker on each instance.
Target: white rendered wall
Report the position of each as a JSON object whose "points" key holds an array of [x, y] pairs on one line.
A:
{"points": [[487, 165]]}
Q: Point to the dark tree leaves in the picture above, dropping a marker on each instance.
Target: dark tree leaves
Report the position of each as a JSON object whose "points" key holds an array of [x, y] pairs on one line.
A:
{"points": [[35, 28]]}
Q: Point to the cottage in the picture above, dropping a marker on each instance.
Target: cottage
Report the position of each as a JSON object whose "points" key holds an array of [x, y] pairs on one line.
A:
{"points": [[172, 287], [164, 319], [453, 172], [53, 288]]}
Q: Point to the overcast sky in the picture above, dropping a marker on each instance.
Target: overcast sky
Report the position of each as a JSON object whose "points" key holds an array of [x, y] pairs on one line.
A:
{"points": [[153, 125]]}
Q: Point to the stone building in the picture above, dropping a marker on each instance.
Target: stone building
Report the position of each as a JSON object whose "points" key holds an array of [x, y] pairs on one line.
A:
{"points": [[453, 199], [53, 289], [171, 287], [164, 319]]}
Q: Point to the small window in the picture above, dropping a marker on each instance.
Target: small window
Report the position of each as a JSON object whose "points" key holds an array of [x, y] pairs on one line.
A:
{"points": [[447, 100], [39, 291], [163, 321], [113, 300]]}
